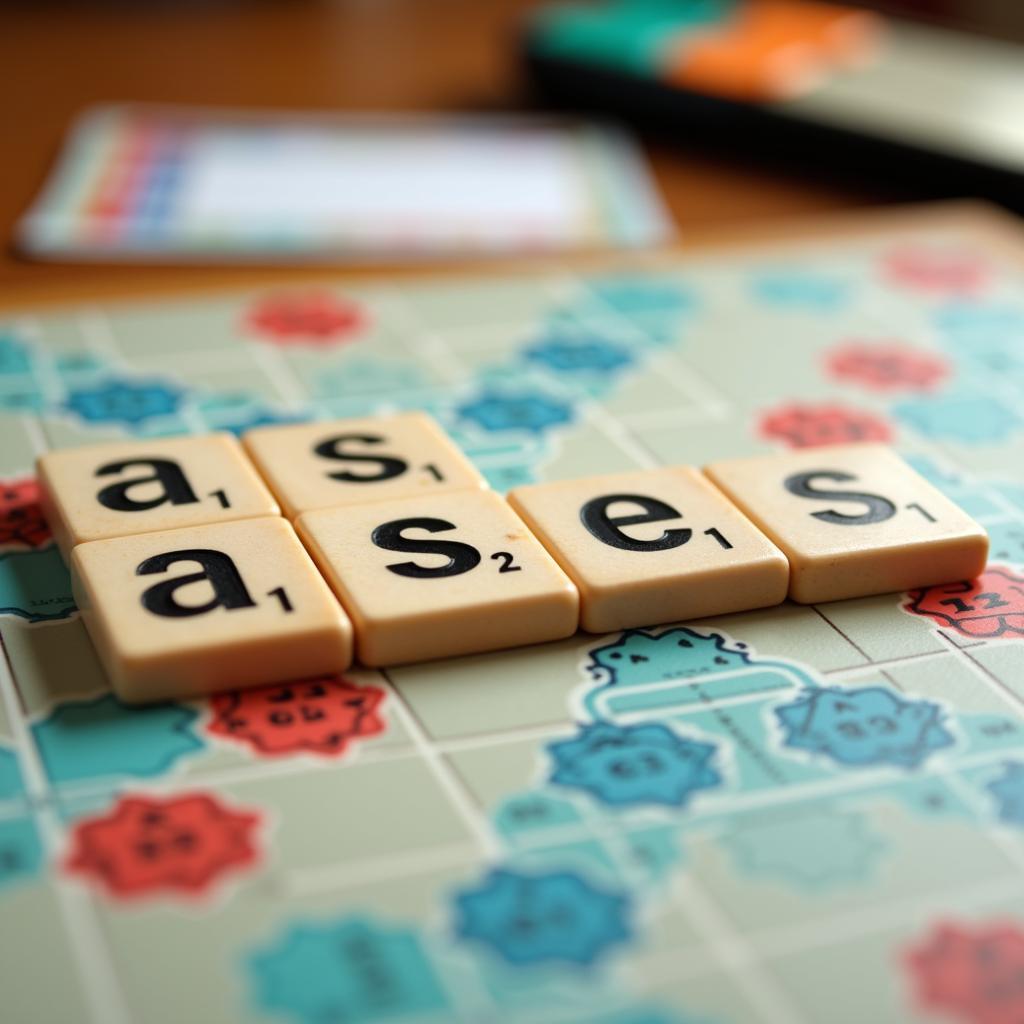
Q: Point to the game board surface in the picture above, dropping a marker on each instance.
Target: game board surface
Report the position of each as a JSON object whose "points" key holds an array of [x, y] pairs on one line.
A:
{"points": [[801, 814]]}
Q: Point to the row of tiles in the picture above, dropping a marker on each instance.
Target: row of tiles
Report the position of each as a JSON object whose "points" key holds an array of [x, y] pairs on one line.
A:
{"points": [[190, 581]]}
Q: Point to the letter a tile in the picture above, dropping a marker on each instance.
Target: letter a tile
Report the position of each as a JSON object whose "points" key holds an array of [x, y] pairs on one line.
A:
{"points": [[126, 487], [438, 576], [186, 612], [345, 462], [854, 520], [656, 546]]}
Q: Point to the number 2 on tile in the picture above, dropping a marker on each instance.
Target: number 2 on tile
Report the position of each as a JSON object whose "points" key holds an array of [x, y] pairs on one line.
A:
{"points": [[505, 557]]}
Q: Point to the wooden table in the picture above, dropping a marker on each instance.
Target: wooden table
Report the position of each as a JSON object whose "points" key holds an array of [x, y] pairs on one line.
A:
{"points": [[342, 55]]}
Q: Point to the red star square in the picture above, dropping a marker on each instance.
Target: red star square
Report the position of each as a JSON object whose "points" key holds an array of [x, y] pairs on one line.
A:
{"points": [[975, 974], [811, 426], [991, 605], [306, 318], [149, 846], [943, 271], [887, 366], [320, 716], [21, 518]]}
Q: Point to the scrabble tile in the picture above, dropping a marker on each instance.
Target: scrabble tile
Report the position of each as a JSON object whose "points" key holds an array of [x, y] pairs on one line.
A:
{"points": [[854, 520], [133, 486], [654, 546], [435, 576], [345, 462], [185, 612]]}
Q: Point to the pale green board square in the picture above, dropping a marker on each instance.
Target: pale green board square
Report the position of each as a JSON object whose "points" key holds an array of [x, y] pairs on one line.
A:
{"points": [[770, 381], [791, 631], [743, 339], [950, 679], [649, 390], [483, 301], [663, 932], [157, 946], [957, 639], [374, 365], [359, 407], [865, 978], [334, 814], [1005, 660], [234, 373], [987, 459], [585, 450], [312, 366], [854, 981], [496, 772], [181, 327], [61, 332], [507, 690], [762, 359], [175, 964], [712, 998], [696, 443], [67, 432], [481, 345], [880, 629], [219, 755], [906, 867], [18, 450], [249, 379], [52, 662], [377, 340], [395, 734], [39, 976]]}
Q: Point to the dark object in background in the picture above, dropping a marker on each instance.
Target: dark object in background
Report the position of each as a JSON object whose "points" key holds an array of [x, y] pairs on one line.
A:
{"points": [[819, 87]]}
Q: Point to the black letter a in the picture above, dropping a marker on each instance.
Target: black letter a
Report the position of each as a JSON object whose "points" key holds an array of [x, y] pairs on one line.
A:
{"points": [[228, 589], [168, 474]]}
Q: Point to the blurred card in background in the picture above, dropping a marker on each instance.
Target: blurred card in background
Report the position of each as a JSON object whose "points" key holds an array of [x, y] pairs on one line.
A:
{"points": [[137, 182], [823, 87]]}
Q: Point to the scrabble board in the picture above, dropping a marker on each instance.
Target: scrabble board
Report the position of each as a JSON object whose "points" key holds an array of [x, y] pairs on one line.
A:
{"points": [[800, 814]]}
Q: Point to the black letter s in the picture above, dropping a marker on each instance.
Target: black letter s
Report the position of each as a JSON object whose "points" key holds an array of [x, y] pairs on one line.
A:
{"points": [[878, 508], [461, 557]]}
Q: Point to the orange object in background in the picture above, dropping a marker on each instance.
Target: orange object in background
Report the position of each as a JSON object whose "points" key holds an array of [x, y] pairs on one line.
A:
{"points": [[773, 49], [847, 35]]}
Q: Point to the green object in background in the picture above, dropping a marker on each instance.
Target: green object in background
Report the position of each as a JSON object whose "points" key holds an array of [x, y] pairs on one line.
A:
{"points": [[624, 34]]}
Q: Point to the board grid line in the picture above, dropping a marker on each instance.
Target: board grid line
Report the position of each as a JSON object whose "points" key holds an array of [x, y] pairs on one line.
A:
{"points": [[89, 947], [450, 782]]}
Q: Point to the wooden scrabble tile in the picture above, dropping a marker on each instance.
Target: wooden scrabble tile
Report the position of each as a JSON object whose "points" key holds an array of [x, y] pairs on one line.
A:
{"points": [[134, 486], [654, 546], [436, 576], [345, 462], [854, 520], [220, 606]]}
